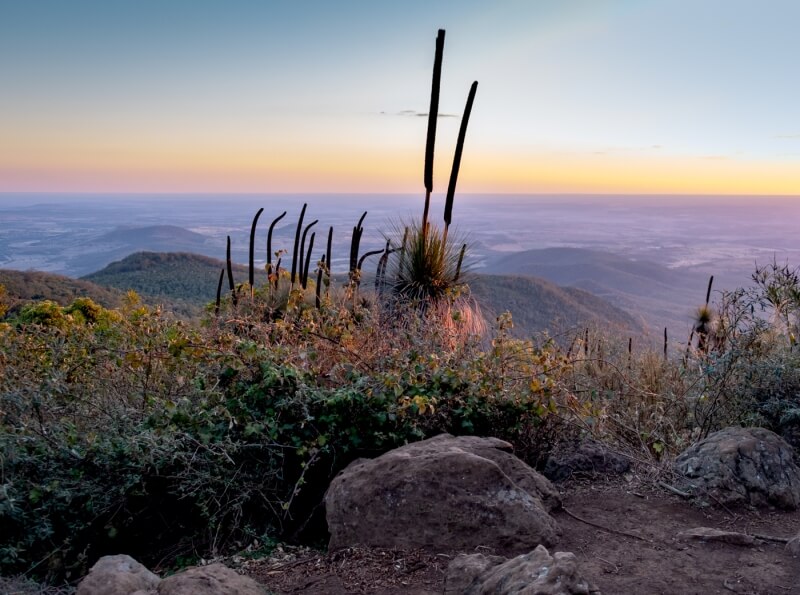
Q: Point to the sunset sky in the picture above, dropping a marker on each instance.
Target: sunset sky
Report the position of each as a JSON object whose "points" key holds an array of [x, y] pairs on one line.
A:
{"points": [[636, 96]]}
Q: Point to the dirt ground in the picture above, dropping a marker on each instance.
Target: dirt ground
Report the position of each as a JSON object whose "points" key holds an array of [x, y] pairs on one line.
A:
{"points": [[657, 564]]}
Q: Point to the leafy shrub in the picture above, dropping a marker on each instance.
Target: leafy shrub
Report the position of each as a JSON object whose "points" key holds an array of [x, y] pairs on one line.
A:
{"points": [[126, 430]]}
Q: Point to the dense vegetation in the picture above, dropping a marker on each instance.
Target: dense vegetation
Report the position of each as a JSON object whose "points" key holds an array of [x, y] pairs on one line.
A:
{"points": [[124, 427], [127, 430]]}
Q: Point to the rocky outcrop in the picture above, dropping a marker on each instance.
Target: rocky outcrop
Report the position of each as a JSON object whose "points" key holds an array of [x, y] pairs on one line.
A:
{"points": [[119, 575], [534, 573], [742, 466], [587, 458], [444, 494], [122, 575]]}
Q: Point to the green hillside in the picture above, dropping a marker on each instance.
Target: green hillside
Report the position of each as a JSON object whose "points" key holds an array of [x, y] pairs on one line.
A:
{"points": [[538, 305], [25, 286], [175, 275], [535, 304], [663, 296]]}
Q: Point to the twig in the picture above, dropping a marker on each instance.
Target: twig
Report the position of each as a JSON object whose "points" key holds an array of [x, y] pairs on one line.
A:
{"points": [[287, 565], [616, 568], [674, 490], [771, 538], [604, 528]]}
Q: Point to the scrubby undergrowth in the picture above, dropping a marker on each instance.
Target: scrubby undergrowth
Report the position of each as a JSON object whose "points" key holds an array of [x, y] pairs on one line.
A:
{"points": [[126, 430]]}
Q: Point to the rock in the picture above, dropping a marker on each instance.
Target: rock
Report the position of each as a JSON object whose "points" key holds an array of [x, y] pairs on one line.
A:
{"points": [[464, 569], [502, 453], [709, 534], [793, 546], [118, 575], [214, 579], [585, 458], [742, 466], [534, 573], [122, 575], [443, 494]]}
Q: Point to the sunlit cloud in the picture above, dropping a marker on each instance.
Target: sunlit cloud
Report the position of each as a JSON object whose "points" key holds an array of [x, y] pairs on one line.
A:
{"points": [[411, 112]]}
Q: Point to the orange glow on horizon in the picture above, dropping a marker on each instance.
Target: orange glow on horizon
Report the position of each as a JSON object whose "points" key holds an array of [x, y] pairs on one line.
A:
{"points": [[358, 169]]}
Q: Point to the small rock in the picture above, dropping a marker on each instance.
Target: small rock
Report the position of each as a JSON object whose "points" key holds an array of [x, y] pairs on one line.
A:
{"points": [[709, 534], [118, 575], [214, 579], [534, 573], [465, 569], [587, 458], [793, 546]]}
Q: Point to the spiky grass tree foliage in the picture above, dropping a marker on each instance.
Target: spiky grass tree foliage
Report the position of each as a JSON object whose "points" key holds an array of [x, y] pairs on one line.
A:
{"points": [[429, 268], [703, 321], [703, 324]]}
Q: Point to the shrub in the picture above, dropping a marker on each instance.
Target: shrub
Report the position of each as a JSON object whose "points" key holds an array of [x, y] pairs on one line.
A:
{"points": [[128, 430]]}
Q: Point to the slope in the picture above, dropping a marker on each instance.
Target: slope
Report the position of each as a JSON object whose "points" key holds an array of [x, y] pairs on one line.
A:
{"points": [[25, 286], [536, 305], [662, 296]]}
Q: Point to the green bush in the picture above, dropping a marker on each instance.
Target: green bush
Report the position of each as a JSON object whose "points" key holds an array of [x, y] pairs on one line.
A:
{"points": [[128, 431]]}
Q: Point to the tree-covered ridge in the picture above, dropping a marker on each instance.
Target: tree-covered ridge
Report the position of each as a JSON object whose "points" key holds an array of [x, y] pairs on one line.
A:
{"points": [[535, 304], [538, 305], [23, 286], [174, 275]]}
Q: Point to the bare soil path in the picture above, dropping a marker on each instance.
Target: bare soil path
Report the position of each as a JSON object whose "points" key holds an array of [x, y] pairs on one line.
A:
{"points": [[658, 564]]}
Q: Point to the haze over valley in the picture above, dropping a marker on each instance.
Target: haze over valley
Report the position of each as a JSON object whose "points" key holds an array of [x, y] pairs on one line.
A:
{"points": [[651, 256]]}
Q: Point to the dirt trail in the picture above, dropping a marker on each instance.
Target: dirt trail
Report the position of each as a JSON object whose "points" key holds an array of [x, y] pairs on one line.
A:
{"points": [[619, 565]]}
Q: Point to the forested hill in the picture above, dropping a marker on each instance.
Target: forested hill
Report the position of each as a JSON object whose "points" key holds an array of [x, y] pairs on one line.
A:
{"points": [[538, 305], [25, 286], [665, 297], [535, 304], [174, 275]]}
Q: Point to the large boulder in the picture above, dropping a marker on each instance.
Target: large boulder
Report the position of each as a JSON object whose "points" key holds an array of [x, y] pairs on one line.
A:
{"points": [[742, 466], [214, 579], [117, 575], [534, 573], [444, 494]]}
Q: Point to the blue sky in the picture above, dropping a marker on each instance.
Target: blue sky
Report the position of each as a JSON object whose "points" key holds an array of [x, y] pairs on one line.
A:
{"points": [[619, 96]]}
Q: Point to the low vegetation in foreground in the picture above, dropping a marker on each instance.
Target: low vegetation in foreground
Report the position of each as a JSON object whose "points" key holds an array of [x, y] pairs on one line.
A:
{"points": [[127, 430]]}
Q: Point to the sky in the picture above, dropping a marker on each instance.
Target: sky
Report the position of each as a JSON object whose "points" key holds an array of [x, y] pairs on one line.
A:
{"points": [[574, 96]]}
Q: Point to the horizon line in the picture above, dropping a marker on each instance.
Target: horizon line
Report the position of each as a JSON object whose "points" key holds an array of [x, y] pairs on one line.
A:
{"points": [[361, 193]]}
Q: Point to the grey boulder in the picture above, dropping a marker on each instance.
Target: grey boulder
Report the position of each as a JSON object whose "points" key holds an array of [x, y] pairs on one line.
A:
{"points": [[122, 575], [534, 573], [742, 466], [443, 494], [214, 579], [117, 575]]}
